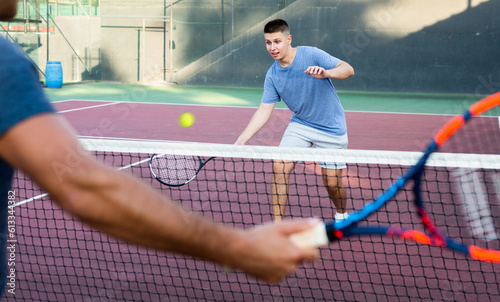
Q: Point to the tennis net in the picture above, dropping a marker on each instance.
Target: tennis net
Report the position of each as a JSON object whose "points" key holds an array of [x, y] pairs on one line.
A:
{"points": [[57, 258]]}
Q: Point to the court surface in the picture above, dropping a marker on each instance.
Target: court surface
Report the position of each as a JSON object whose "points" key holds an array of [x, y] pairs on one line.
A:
{"points": [[376, 121]]}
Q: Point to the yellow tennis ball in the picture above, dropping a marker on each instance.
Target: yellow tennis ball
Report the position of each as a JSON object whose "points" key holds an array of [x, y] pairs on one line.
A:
{"points": [[186, 119]]}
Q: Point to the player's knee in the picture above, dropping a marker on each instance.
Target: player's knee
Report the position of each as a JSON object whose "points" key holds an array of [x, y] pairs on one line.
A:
{"points": [[280, 167]]}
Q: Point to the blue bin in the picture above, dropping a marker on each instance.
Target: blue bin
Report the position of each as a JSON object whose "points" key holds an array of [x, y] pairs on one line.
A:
{"points": [[54, 74]]}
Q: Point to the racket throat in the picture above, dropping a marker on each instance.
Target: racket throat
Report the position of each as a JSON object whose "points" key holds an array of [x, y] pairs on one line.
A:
{"points": [[438, 238]]}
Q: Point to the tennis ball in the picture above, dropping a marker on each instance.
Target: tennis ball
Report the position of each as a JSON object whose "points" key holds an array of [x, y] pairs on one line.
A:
{"points": [[186, 119]]}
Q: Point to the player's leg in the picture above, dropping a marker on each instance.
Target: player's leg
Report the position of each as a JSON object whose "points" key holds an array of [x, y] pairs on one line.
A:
{"points": [[332, 178], [332, 171], [293, 138], [279, 187]]}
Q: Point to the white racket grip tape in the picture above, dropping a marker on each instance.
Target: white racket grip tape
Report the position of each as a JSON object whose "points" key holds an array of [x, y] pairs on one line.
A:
{"points": [[314, 237]]}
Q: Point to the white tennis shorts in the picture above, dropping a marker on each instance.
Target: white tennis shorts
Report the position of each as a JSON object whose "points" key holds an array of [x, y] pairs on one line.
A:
{"points": [[301, 136]]}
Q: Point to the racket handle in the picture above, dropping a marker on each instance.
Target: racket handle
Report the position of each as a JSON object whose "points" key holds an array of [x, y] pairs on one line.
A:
{"points": [[314, 237]]}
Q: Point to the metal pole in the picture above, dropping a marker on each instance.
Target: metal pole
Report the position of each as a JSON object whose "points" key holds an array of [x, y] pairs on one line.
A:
{"points": [[222, 13], [171, 41], [47, 30], [232, 19], [90, 39], [164, 40], [143, 65]]}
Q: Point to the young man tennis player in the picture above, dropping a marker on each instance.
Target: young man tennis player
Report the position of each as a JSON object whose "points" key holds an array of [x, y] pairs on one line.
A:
{"points": [[301, 77], [36, 140]]}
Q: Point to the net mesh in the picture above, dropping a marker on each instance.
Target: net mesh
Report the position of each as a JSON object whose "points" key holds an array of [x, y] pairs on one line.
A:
{"points": [[60, 259]]}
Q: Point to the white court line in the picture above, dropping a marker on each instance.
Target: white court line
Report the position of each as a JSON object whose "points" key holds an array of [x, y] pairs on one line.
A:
{"points": [[61, 101], [281, 109], [255, 107], [90, 107], [28, 200], [45, 194]]}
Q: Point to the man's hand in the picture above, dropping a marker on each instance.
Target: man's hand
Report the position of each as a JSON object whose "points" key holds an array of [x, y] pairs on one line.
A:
{"points": [[266, 252], [317, 72], [340, 72]]}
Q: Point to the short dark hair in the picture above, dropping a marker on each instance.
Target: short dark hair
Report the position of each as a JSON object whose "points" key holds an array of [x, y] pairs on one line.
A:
{"points": [[277, 25]]}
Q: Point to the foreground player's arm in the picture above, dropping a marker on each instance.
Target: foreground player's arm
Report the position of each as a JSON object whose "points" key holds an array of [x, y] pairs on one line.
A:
{"points": [[340, 72], [45, 148], [258, 120]]}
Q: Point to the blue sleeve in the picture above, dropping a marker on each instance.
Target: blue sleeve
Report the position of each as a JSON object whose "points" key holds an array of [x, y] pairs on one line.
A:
{"points": [[270, 94], [21, 95], [324, 59]]}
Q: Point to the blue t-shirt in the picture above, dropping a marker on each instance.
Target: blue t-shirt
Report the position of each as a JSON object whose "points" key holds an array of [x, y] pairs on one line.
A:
{"points": [[314, 102], [21, 97]]}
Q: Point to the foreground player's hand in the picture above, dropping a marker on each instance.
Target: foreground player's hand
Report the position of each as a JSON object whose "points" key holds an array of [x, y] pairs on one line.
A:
{"points": [[268, 253]]}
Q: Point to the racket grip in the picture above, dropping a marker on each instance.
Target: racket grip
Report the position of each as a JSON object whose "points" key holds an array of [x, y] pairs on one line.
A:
{"points": [[314, 237]]}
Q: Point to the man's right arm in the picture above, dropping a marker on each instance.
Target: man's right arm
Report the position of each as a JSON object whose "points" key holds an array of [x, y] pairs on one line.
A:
{"points": [[258, 120]]}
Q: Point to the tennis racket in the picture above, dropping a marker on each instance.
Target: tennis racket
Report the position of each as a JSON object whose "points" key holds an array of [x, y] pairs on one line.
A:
{"points": [[431, 235], [176, 170]]}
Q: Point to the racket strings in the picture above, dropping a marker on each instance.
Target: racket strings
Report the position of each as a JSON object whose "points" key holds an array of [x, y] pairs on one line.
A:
{"points": [[466, 204], [478, 194], [481, 135], [175, 169], [478, 190]]}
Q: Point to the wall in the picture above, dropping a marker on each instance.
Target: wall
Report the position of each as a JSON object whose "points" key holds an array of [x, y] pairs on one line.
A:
{"points": [[137, 49], [445, 46]]}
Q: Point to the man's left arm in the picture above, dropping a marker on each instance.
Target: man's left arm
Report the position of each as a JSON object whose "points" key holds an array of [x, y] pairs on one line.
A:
{"points": [[341, 71]]}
